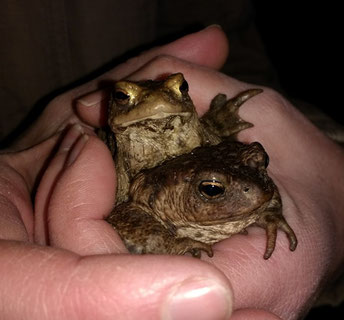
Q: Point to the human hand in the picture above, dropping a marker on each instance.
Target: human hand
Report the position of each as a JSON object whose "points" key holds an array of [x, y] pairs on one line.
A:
{"points": [[42, 282], [307, 168]]}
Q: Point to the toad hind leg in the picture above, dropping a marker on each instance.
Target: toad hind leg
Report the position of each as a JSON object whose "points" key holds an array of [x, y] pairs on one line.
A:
{"points": [[222, 117]]}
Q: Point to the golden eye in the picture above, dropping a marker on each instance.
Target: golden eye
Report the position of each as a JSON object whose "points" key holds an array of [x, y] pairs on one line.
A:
{"points": [[211, 189], [177, 84], [121, 97]]}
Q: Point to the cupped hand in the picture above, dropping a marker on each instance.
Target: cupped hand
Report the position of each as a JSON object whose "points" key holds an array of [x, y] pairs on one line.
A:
{"points": [[308, 169], [73, 278]]}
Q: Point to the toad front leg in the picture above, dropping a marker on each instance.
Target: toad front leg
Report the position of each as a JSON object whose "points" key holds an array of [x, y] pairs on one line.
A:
{"points": [[143, 234], [223, 119], [272, 220]]}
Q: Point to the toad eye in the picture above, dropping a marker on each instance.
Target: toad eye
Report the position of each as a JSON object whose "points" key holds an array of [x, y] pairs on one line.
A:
{"points": [[184, 87], [211, 189], [267, 160], [259, 161], [121, 97]]}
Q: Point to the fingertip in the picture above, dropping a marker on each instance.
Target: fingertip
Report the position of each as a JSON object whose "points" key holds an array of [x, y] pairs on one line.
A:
{"points": [[198, 298], [208, 47], [92, 107], [218, 44]]}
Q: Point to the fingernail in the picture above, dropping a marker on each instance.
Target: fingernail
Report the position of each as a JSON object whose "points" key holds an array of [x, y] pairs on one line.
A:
{"points": [[93, 99], [198, 299], [77, 148], [213, 26], [70, 137]]}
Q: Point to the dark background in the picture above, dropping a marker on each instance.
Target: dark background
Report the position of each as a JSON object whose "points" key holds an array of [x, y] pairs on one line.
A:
{"points": [[303, 41]]}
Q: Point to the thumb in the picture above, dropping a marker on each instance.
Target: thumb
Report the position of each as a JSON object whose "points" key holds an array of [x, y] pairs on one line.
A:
{"points": [[61, 285]]}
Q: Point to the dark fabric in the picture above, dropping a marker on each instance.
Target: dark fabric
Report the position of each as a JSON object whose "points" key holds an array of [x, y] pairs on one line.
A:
{"points": [[47, 45]]}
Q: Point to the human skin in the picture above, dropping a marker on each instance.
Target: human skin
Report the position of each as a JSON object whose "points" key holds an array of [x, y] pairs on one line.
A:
{"points": [[47, 282], [86, 273], [308, 169]]}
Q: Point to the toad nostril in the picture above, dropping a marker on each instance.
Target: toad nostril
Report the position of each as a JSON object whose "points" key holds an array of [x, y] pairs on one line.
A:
{"points": [[246, 189]]}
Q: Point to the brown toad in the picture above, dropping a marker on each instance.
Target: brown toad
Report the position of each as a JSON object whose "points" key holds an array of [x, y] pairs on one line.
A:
{"points": [[195, 200], [153, 121]]}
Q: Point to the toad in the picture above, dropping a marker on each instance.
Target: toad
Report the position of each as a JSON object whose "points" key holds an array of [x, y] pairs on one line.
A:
{"points": [[189, 203], [153, 121], [162, 207]]}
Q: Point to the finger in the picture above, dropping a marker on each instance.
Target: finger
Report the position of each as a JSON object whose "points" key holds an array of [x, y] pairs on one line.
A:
{"points": [[14, 225], [20, 172], [208, 47], [16, 212], [31, 161], [46, 283], [49, 180], [82, 196]]}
